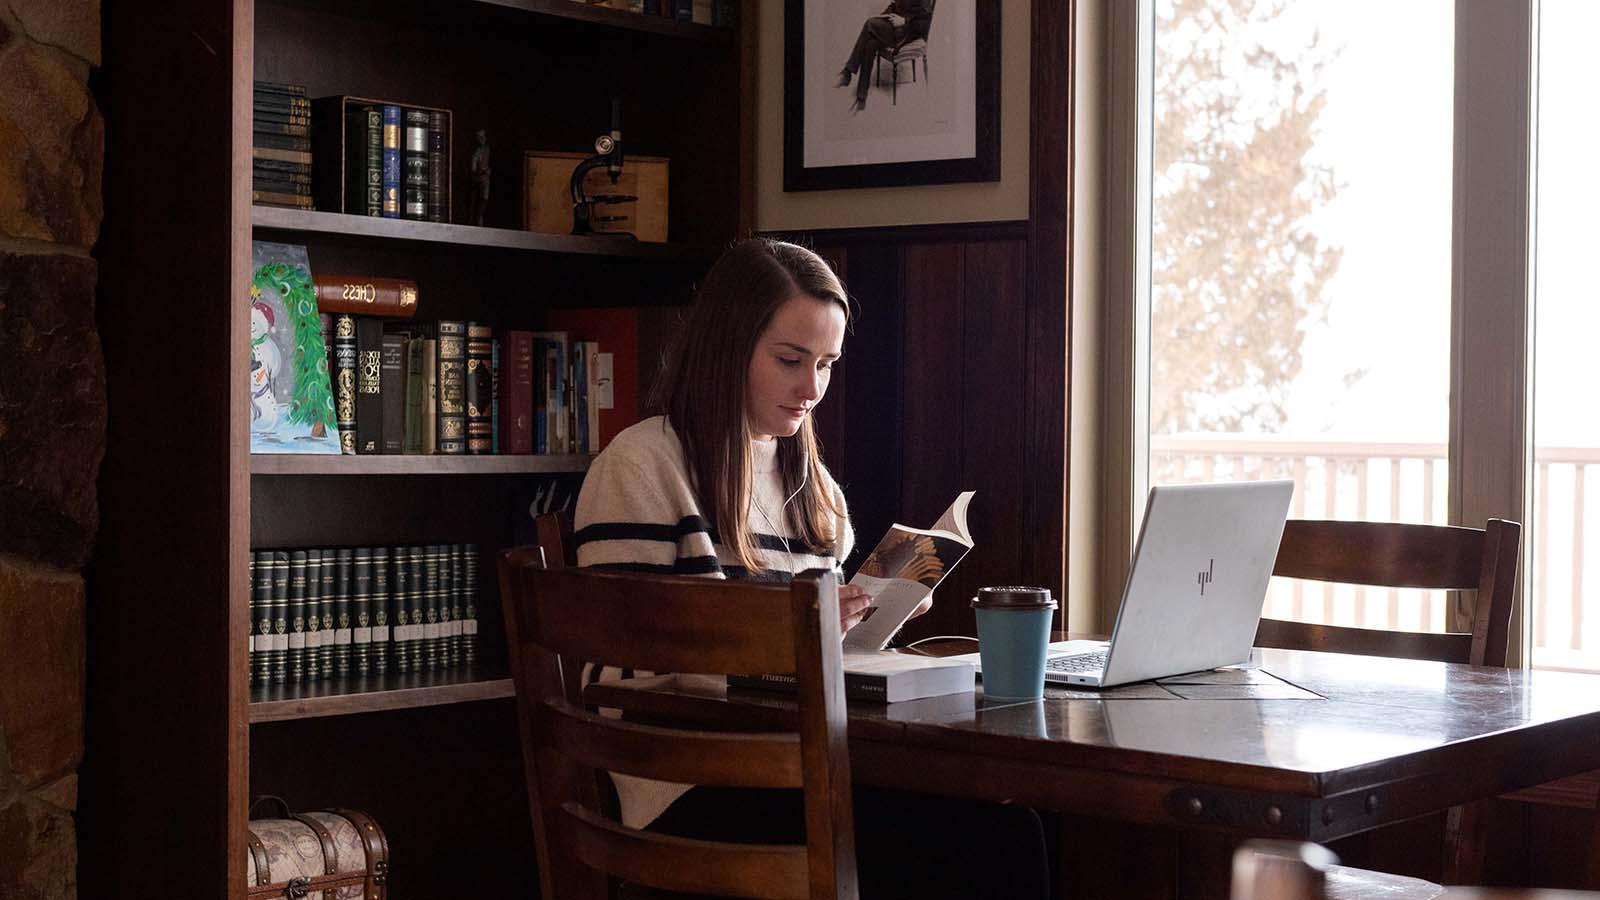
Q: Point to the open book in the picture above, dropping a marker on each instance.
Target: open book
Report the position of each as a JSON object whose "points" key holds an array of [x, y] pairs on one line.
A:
{"points": [[903, 569]]}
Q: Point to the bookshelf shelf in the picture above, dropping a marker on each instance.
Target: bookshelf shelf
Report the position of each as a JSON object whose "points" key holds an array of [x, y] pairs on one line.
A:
{"points": [[618, 18], [277, 703], [276, 218], [307, 464]]}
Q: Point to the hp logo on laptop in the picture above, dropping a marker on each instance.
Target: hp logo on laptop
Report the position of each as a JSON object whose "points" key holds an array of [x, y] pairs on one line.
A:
{"points": [[1204, 578]]}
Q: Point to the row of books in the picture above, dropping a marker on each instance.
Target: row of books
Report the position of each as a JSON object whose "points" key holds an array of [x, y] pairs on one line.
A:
{"points": [[396, 159], [280, 170], [321, 614], [451, 387]]}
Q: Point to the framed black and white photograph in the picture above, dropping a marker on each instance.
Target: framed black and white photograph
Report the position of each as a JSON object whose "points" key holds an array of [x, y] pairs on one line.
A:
{"points": [[894, 93]]}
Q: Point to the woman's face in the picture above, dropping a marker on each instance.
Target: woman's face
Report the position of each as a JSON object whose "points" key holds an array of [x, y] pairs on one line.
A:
{"points": [[792, 363]]}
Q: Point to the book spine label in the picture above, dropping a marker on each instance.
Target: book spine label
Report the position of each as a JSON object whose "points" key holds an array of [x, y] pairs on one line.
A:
{"points": [[369, 386], [344, 383], [416, 164], [393, 392], [517, 415], [346, 620], [286, 128], [438, 168], [430, 395], [357, 296], [372, 170], [278, 662], [391, 161], [479, 389], [452, 406]]}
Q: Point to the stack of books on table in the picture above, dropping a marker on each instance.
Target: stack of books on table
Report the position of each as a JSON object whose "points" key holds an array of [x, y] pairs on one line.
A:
{"points": [[883, 676], [280, 173]]}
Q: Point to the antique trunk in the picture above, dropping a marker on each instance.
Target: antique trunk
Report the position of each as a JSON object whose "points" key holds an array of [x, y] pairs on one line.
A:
{"points": [[336, 854]]}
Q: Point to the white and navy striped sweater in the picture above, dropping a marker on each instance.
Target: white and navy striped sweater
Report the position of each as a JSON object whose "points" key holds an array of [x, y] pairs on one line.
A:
{"points": [[637, 512]]}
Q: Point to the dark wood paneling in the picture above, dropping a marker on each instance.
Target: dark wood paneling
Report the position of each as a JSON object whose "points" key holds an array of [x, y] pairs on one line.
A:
{"points": [[162, 779], [1048, 315], [932, 376]]}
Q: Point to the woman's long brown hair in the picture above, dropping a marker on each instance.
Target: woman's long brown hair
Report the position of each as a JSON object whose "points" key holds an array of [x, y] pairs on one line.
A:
{"points": [[703, 384]]}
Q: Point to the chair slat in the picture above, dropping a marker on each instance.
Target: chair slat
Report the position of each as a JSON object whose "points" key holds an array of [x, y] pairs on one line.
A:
{"points": [[685, 864], [1381, 553], [671, 754], [683, 624], [1284, 634]]}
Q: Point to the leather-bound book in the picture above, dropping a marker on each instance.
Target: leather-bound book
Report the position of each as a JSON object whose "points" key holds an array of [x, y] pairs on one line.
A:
{"points": [[260, 614], [369, 385], [363, 561], [327, 600], [343, 613], [416, 390], [452, 406], [344, 381], [313, 616], [297, 616], [366, 295], [479, 389], [516, 395], [380, 610], [431, 590], [438, 168], [398, 613], [415, 165], [278, 662], [391, 161], [393, 376], [458, 603], [469, 615], [430, 395], [416, 603]]}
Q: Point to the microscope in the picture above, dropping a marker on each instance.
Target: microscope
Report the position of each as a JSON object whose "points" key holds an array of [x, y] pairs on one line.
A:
{"points": [[608, 153]]}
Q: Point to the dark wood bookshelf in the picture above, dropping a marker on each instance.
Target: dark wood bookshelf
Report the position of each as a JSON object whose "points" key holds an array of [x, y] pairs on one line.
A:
{"points": [[619, 18], [278, 218], [313, 464], [346, 696]]}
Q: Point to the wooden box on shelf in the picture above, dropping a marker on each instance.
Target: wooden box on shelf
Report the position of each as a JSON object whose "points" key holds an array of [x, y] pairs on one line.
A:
{"points": [[547, 195], [333, 852], [340, 167]]}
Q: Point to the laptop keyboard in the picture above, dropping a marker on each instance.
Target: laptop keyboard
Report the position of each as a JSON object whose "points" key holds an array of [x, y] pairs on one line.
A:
{"points": [[1073, 665]]}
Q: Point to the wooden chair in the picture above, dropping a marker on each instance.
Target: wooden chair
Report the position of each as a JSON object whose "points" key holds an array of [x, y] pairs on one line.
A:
{"points": [[677, 624], [1411, 556], [553, 531], [909, 52], [1388, 554]]}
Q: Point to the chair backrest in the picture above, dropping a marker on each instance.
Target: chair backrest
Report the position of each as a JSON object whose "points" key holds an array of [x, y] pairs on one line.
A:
{"points": [[1281, 870], [671, 623], [553, 530], [1396, 555]]}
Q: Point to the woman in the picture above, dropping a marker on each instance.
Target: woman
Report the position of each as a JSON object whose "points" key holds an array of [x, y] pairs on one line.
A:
{"points": [[730, 483]]}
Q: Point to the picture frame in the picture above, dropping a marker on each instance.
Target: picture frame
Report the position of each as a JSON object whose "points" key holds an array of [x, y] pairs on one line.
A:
{"points": [[931, 110]]}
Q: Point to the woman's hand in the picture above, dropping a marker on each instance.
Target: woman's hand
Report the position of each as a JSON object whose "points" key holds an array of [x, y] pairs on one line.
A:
{"points": [[853, 602]]}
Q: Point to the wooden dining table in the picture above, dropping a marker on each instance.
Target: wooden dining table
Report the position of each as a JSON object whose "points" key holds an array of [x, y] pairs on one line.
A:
{"points": [[1295, 744]]}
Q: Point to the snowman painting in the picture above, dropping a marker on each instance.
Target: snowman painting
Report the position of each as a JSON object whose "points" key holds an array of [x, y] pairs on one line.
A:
{"points": [[266, 361]]}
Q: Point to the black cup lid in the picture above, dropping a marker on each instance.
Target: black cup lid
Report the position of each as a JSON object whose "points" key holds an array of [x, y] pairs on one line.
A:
{"points": [[1014, 597]]}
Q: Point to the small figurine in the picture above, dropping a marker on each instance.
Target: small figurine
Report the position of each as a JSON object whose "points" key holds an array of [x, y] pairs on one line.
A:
{"points": [[480, 177]]}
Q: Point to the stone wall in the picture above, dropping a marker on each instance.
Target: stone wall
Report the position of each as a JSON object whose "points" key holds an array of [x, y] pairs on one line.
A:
{"points": [[52, 427]]}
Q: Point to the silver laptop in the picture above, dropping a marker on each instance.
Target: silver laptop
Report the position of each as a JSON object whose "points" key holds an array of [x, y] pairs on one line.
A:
{"points": [[1194, 593]]}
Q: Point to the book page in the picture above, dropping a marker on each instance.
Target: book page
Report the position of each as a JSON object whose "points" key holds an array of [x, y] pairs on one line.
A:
{"points": [[903, 569]]}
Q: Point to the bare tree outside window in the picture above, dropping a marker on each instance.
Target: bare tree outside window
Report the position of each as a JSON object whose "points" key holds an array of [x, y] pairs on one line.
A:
{"points": [[1237, 271]]}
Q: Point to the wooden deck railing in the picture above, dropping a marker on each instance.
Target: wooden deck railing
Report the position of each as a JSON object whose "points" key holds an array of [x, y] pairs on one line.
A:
{"points": [[1406, 482]]}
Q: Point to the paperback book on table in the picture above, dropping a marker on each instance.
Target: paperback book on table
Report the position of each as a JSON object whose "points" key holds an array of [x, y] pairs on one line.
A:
{"points": [[883, 676]]}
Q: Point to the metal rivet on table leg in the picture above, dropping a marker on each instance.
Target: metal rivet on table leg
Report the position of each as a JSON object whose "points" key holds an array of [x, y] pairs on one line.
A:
{"points": [[1196, 806], [1274, 814]]}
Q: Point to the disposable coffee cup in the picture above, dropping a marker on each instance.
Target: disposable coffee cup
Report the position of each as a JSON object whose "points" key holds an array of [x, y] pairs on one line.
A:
{"points": [[1013, 635]]}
